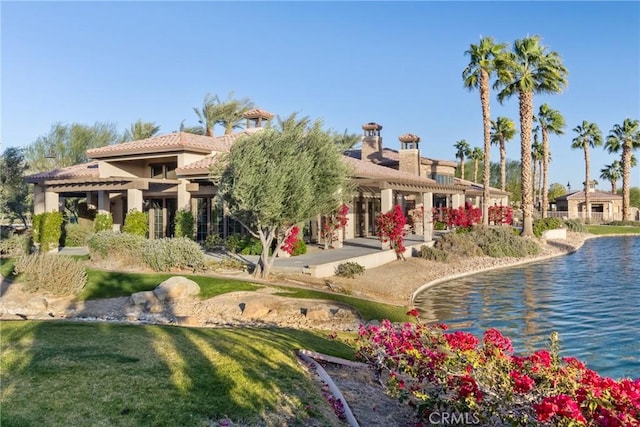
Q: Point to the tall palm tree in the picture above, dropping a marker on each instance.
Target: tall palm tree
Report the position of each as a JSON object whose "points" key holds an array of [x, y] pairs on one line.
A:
{"points": [[502, 130], [589, 135], [612, 173], [476, 76], [551, 121], [536, 160], [209, 114], [476, 154], [462, 151], [529, 69], [625, 137], [230, 113], [140, 130]]}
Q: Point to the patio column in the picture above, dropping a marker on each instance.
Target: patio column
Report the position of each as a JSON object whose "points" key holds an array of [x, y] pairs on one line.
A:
{"points": [[118, 220], [386, 200], [184, 196], [91, 200], [134, 199], [38, 199], [51, 201], [457, 200], [427, 219], [103, 201]]}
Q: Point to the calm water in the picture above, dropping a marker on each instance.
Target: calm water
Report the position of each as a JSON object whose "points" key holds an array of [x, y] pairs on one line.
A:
{"points": [[591, 298]]}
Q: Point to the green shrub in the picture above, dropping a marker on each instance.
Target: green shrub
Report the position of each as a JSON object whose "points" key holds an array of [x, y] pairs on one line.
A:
{"points": [[47, 230], [167, 254], [76, 234], [500, 242], [349, 269], [458, 244], [543, 224], [184, 224], [575, 225], [103, 222], [115, 246], [433, 254], [136, 222], [15, 244], [234, 242], [439, 225], [212, 242], [54, 274], [252, 246], [299, 248]]}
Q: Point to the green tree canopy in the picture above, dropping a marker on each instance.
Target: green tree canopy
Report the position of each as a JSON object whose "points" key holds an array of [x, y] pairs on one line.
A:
{"points": [[15, 198], [140, 130], [281, 176], [556, 190], [625, 138], [502, 131], [66, 145]]}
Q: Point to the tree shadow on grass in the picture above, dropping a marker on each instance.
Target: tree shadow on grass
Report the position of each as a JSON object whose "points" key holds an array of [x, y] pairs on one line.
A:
{"points": [[77, 373]]}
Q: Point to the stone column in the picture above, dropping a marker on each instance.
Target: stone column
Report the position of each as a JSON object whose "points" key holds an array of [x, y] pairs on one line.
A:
{"points": [[457, 201], [427, 219], [134, 199], [38, 199], [104, 205], [51, 201], [184, 196]]}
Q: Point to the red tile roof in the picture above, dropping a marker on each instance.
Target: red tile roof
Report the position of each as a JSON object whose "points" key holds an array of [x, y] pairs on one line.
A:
{"points": [[83, 170], [596, 195], [177, 141], [390, 156]]}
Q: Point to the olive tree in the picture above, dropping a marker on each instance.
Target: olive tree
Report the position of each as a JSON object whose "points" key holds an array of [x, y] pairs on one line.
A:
{"points": [[273, 179]]}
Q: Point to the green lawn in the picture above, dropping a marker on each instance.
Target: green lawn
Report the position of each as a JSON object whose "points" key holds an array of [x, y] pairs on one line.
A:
{"points": [[612, 229], [100, 374]]}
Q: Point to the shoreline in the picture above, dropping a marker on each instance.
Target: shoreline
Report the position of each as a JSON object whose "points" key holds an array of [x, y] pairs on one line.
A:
{"points": [[570, 247]]}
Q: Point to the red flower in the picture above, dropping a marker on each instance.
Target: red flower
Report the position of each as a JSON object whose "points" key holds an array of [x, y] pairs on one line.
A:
{"points": [[413, 312], [493, 337], [522, 382]]}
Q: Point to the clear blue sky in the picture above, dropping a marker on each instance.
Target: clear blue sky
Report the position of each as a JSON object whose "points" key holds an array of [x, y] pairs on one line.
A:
{"points": [[395, 63]]}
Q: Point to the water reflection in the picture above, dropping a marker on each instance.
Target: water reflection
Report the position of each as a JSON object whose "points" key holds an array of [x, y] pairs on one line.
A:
{"points": [[591, 298]]}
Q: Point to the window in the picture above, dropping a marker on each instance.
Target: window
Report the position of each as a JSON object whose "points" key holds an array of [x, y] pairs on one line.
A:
{"points": [[163, 170]]}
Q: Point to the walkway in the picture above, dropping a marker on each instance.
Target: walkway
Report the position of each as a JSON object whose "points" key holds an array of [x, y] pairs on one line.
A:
{"points": [[364, 250]]}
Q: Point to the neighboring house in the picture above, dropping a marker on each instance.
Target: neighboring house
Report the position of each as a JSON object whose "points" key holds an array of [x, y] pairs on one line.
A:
{"points": [[163, 174], [605, 206]]}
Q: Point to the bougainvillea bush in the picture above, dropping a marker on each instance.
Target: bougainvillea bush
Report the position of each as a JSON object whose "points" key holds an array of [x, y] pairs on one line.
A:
{"points": [[462, 218], [391, 229], [333, 223], [439, 371], [500, 215]]}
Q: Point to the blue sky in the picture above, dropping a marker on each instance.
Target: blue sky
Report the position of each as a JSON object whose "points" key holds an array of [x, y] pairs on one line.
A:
{"points": [[396, 63]]}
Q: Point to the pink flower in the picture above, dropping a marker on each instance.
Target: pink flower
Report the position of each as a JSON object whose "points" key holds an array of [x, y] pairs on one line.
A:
{"points": [[493, 337]]}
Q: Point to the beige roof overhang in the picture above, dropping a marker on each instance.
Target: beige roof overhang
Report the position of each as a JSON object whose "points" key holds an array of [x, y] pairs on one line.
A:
{"points": [[106, 184]]}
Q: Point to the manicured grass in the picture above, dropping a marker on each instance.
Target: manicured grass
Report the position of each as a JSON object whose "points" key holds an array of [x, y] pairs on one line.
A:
{"points": [[109, 284], [612, 229], [65, 373], [369, 310]]}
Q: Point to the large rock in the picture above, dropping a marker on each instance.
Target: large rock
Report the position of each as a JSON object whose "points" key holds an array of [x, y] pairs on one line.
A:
{"points": [[176, 288], [255, 310]]}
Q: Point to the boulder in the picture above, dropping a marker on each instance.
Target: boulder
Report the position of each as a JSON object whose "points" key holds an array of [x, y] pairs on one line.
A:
{"points": [[176, 288], [318, 313], [143, 298], [255, 310]]}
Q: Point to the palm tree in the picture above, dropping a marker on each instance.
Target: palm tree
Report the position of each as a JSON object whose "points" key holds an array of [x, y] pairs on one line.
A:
{"points": [[625, 137], [502, 130], [589, 135], [209, 114], [612, 173], [463, 151], [536, 160], [530, 68], [476, 76], [140, 130], [230, 113], [551, 121], [476, 154]]}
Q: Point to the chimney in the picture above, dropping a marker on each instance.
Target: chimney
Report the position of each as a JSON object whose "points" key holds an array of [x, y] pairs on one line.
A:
{"points": [[409, 154], [256, 117], [371, 142]]}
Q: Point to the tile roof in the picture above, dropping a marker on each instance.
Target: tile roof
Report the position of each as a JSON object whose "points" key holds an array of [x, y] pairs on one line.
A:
{"points": [[177, 141], [196, 168], [390, 156], [257, 113], [593, 196], [478, 187], [83, 170], [366, 169]]}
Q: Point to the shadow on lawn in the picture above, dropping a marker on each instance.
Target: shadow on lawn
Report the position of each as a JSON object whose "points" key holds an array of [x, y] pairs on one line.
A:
{"points": [[76, 373]]}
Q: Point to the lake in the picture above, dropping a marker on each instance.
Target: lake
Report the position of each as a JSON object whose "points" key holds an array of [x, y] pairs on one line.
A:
{"points": [[591, 298]]}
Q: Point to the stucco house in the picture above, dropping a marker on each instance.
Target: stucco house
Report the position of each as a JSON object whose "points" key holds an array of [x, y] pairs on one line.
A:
{"points": [[163, 174], [605, 206]]}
